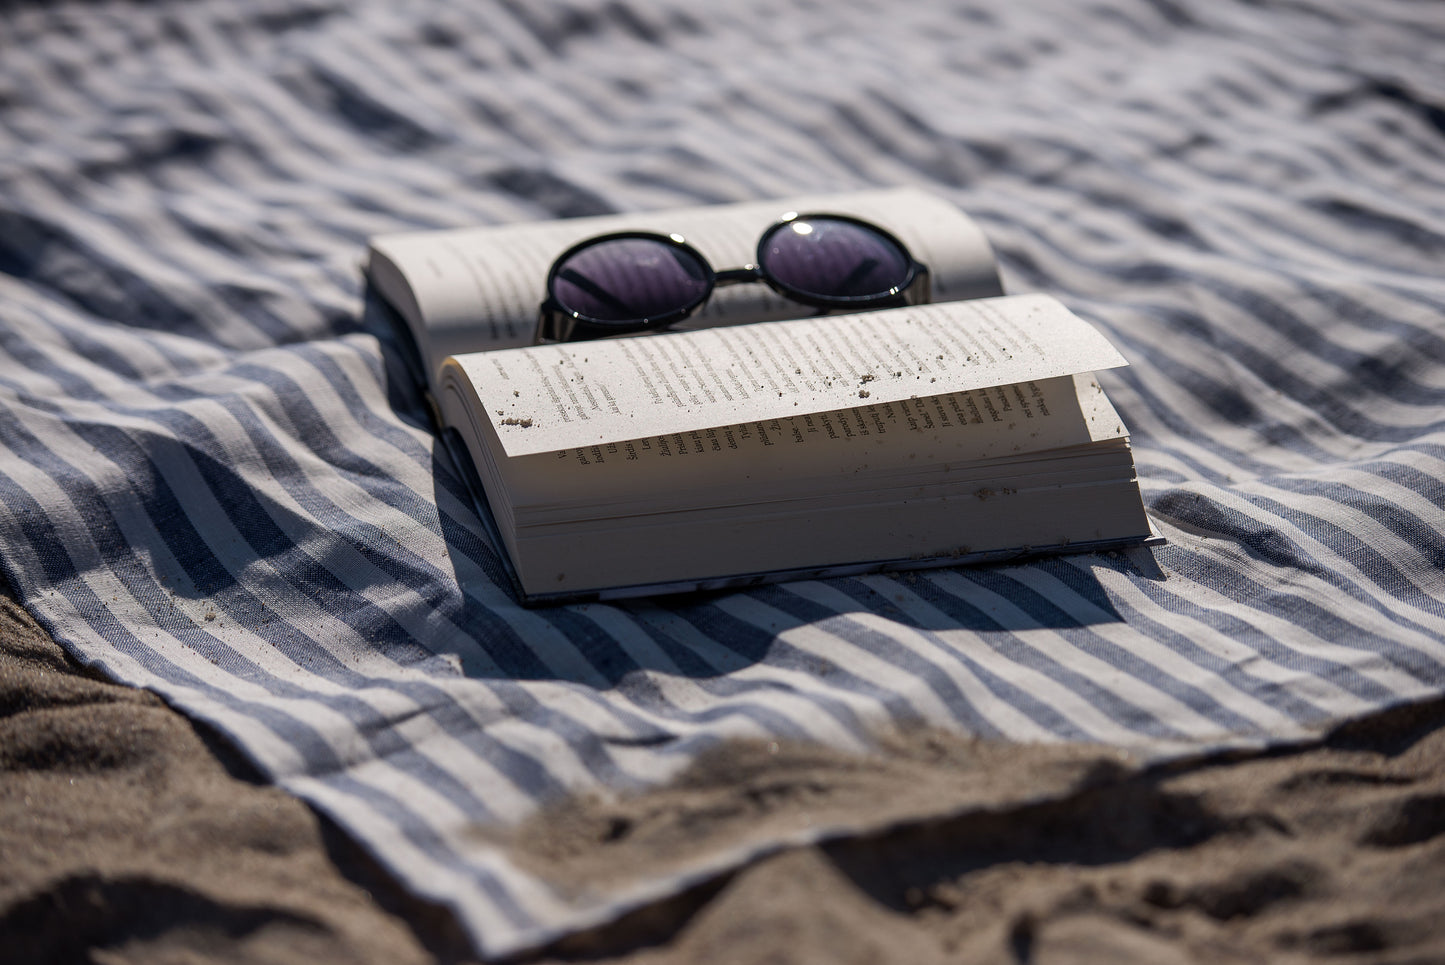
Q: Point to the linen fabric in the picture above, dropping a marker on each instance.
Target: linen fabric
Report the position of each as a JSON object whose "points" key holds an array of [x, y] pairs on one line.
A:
{"points": [[217, 479]]}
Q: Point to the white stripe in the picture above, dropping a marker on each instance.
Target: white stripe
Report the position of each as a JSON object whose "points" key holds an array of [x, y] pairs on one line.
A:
{"points": [[1006, 719], [1280, 629], [1165, 660], [990, 650]]}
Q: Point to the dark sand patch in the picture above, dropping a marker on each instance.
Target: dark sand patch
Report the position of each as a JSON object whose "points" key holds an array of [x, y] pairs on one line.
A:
{"points": [[1331, 853], [127, 834]]}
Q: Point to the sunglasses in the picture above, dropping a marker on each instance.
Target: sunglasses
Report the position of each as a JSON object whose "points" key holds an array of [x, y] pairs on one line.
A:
{"points": [[636, 281]]}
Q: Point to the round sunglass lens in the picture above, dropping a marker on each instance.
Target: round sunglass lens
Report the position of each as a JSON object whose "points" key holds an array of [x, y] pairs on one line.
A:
{"points": [[829, 258], [621, 280]]}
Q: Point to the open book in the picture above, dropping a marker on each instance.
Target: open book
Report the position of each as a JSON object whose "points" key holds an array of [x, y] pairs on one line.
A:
{"points": [[756, 445]]}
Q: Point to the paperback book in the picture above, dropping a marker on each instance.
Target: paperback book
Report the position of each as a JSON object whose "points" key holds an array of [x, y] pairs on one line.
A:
{"points": [[759, 439]]}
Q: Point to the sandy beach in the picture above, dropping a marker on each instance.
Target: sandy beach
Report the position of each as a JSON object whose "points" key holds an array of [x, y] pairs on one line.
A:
{"points": [[128, 834]]}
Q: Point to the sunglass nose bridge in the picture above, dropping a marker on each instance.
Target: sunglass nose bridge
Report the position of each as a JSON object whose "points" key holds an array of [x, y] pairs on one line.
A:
{"points": [[738, 276]]}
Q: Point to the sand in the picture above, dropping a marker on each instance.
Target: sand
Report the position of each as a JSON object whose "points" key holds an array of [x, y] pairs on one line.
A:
{"points": [[128, 834], [1335, 853]]}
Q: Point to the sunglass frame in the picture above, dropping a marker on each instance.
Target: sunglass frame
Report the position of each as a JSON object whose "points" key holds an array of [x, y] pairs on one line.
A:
{"points": [[557, 323]]}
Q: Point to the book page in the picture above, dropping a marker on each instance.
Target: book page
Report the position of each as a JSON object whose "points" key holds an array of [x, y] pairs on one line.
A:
{"points": [[915, 442], [481, 289], [555, 397]]}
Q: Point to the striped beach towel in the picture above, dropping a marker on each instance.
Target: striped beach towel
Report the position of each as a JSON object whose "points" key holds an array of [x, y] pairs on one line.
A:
{"points": [[217, 479]]}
